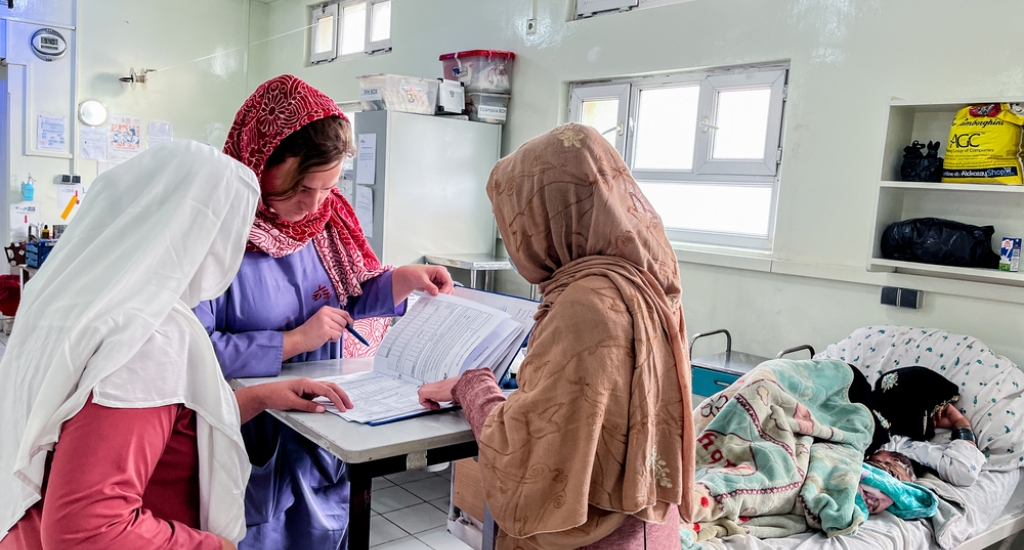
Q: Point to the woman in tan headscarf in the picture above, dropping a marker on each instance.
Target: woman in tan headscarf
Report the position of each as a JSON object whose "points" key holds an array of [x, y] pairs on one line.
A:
{"points": [[596, 449]]}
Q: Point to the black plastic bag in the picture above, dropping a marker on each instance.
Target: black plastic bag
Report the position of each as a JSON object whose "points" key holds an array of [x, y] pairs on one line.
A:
{"points": [[918, 167], [940, 242]]}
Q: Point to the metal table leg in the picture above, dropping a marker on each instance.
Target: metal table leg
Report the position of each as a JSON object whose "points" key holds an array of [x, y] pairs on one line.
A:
{"points": [[360, 476], [361, 486], [490, 531], [472, 278]]}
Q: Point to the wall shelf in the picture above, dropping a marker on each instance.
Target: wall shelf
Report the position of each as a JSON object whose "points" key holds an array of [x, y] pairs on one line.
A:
{"points": [[969, 187], [964, 273], [1001, 206]]}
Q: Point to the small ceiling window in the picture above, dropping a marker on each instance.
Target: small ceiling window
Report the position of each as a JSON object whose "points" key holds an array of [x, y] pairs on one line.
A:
{"points": [[324, 39], [349, 29]]}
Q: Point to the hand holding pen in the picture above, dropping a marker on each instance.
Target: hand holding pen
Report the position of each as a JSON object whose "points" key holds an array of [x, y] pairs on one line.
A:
{"points": [[326, 325]]}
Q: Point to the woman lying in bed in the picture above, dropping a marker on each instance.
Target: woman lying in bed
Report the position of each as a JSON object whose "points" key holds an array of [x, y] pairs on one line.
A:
{"points": [[915, 401], [782, 449]]}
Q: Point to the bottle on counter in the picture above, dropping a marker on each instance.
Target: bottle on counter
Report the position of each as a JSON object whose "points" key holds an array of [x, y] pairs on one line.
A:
{"points": [[46, 232]]}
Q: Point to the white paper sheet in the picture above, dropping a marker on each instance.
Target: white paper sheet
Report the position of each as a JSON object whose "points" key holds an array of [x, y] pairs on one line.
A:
{"points": [[437, 336], [160, 131], [92, 142], [366, 163], [23, 214], [52, 133], [376, 397], [364, 209], [69, 197]]}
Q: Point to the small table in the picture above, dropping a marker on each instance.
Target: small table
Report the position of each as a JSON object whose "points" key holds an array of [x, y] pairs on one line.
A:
{"points": [[472, 263], [371, 451]]}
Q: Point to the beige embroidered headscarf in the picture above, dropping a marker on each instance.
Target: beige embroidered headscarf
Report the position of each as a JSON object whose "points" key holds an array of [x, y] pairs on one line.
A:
{"points": [[601, 427]]}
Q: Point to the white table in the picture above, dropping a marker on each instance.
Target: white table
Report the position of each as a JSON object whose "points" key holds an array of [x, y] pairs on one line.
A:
{"points": [[372, 451]]}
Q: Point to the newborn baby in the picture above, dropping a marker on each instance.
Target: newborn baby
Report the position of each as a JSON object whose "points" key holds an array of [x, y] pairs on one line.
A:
{"points": [[895, 464]]}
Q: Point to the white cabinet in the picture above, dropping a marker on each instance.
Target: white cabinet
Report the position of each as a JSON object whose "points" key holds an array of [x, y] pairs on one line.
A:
{"points": [[429, 190], [1001, 206]]}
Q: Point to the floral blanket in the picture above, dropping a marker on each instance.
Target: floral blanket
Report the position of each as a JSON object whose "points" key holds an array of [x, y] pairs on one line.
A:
{"points": [[780, 451]]}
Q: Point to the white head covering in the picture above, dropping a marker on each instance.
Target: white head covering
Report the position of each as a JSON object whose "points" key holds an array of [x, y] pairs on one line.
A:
{"points": [[156, 235]]}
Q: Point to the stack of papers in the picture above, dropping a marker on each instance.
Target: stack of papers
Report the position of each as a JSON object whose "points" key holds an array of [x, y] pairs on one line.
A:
{"points": [[440, 337]]}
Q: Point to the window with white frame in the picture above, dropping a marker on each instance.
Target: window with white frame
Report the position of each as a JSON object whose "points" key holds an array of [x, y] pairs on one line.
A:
{"points": [[705, 147], [349, 29], [349, 109], [590, 8]]}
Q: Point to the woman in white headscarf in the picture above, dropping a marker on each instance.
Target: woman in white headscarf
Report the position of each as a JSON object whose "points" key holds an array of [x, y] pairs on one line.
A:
{"points": [[117, 429]]}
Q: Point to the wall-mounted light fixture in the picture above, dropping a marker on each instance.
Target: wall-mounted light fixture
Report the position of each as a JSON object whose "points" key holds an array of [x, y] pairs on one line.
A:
{"points": [[92, 112], [137, 77]]}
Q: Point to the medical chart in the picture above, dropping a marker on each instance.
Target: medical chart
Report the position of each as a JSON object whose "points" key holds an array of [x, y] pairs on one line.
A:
{"points": [[440, 337], [52, 133]]}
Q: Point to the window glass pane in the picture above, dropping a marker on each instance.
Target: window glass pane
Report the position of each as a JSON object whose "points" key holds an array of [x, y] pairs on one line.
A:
{"points": [[381, 21], [742, 121], [715, 208], [665, 128], [603, 116], [324, 34], [353, 34]]}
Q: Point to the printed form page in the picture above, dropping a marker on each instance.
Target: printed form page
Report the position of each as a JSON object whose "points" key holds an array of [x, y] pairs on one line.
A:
{"points": [[435, 340]]}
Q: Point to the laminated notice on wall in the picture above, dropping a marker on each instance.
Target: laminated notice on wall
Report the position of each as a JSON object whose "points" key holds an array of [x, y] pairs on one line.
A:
{"points": [[366, 159], [124, 134], [23, 214], [68, 199], [160, 131], [52, 133], [364, 209], [92, 142]]}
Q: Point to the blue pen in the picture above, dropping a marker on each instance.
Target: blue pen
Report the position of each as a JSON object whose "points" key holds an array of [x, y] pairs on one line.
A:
{"points": [[358, 336]]}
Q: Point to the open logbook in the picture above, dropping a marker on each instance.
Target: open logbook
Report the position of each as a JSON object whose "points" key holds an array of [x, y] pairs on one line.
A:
{"points": [[439, 337]]}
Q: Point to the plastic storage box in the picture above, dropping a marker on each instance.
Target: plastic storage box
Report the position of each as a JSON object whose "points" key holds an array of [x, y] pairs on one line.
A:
{"points": [[36, 252], [482, 71], [491, 108], [392, 92]]}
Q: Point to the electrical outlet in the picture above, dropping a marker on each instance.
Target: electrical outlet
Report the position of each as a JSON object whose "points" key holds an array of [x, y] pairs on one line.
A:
{"points": [[531, 26], [902, 297]]}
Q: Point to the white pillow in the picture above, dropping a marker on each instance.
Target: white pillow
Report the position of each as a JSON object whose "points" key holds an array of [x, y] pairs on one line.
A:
{"points": [[991, 386]]}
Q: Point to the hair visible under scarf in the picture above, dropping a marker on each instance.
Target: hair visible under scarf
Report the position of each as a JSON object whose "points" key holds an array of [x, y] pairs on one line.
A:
{"points": [[278, 108], [571, 214]]}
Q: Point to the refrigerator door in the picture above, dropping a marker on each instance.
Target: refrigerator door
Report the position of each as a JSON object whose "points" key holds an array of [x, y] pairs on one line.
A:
{"points": [[429, 190]]}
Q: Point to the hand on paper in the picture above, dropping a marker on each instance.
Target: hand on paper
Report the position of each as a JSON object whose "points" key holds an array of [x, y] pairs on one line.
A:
{"points": [[435, 393], [324, 326], [949, 417], [297, 394], [432, 279]]}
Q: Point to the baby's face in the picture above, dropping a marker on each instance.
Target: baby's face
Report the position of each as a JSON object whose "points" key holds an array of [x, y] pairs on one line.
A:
{"points": [[896, 464]]}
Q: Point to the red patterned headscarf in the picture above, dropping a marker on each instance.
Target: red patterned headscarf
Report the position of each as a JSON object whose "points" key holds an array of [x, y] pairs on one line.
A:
{"points": [[277, 108]]}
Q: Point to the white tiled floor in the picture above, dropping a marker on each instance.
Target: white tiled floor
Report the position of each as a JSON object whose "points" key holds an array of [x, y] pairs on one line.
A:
{"points": [[410, 512]]}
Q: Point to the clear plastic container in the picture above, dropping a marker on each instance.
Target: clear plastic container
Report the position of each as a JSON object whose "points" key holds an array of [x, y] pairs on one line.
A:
{"points": [[492, 108], [392, 92], [482, 71]]}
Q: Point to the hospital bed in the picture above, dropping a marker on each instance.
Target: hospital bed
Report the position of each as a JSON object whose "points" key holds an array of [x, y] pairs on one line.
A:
{"points": [[992, 398]]}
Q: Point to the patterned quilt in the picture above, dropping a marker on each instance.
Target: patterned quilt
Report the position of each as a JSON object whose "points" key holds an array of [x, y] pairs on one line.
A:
{"points": [[780, 451]]}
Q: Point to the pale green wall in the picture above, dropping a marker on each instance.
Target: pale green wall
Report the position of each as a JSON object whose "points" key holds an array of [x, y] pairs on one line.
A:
{"points": [[200, 98], [848, 59], [112, 36]]}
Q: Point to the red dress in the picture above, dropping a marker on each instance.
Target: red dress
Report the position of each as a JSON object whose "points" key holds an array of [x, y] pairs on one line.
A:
{"points": [[119, 478]]}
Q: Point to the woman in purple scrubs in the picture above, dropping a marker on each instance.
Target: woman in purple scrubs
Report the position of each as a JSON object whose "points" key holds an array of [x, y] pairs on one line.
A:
{"points": [[307, 273]]}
